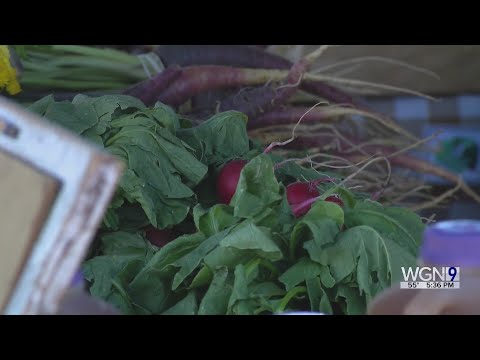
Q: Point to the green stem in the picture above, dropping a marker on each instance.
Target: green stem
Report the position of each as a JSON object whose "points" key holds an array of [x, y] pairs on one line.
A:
{"points": [[82, 61], [289, 296], [36, 66], [260, 309], [119, 288], [251, 265], [110, 54], [72, 85], [268, 264]]}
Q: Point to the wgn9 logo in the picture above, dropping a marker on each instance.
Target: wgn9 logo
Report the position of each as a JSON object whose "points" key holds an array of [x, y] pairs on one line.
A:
{"points": [[431, 277]]}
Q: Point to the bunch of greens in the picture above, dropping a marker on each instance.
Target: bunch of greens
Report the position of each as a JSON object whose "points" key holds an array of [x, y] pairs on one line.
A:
{"points": [[82, 68], [252, 256]]}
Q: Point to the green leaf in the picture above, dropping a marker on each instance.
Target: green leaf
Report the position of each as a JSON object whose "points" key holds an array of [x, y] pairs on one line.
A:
{"points": [[164, 260], [356, 304], [190, 262], [248, 236], [398, 224], [166, 116], [257, 188], [221, 138], [317, 296], [105, 106], [266, 290], [121, 303], [40, 107], [216, 219], [187, 306], [215, 301], [161, 211], [227, 256], [316, 234], [325, 209], [150, 292], [111, 220], [101, 270], [203, 277], [347, 197], [132, 217], [299, 272], [160, 171], [374, 260], [292, 171], [74, 118], [127, 244], [161, 167], [240, 289]]}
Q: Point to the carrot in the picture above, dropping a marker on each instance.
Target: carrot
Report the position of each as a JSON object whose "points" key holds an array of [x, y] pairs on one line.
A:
{"points": [[285, 116], [148, 90], [258, 100], [227, 55], [251, 102], [250, 57], [197, 79]]}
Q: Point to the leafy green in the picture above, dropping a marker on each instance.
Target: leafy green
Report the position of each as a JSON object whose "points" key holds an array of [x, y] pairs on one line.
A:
{"points": [[251, 256], [216, 219], [215, 301], [218, 139], [187, 306], [257, 188], [400, 225]]}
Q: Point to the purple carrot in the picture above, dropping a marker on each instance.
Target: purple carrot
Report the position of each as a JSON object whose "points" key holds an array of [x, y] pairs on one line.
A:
{"points": [[197, 79], [331, 93], [247, 56], [148, 91], [258, 100], [250, 101], [226, 55], [287, 115]]}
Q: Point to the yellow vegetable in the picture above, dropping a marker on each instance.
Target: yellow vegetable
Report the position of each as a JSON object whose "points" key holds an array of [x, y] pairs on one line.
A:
{"points": [[8, 74]]}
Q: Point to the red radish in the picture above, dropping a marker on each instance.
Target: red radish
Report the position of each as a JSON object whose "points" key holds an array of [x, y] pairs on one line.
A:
{"points": [[301, 196], [227, 180], [335, 199], [301, 191], [302, 208], [159, 237]]}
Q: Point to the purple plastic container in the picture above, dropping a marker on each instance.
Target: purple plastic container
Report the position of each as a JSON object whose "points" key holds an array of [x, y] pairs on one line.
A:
{"points": [[78, 280], [452, 243]]}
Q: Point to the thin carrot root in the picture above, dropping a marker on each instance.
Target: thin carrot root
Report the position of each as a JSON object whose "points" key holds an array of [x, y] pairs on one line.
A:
{"points": [[283, 143]]}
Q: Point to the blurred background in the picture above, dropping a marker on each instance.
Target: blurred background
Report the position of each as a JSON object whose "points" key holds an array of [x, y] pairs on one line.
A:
{"points": [[456, 114]]}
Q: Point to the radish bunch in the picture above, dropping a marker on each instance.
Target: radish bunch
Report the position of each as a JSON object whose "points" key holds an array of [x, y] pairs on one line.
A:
{"points": [[300, 195]]}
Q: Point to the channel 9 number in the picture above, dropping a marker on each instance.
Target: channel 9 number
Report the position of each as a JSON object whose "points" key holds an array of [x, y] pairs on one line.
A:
{"points": [[452, 272]]}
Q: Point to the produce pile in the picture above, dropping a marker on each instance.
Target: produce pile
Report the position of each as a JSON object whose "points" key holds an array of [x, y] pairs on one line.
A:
{"points": [[338, 131], [253, 184], [208, 221]]}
